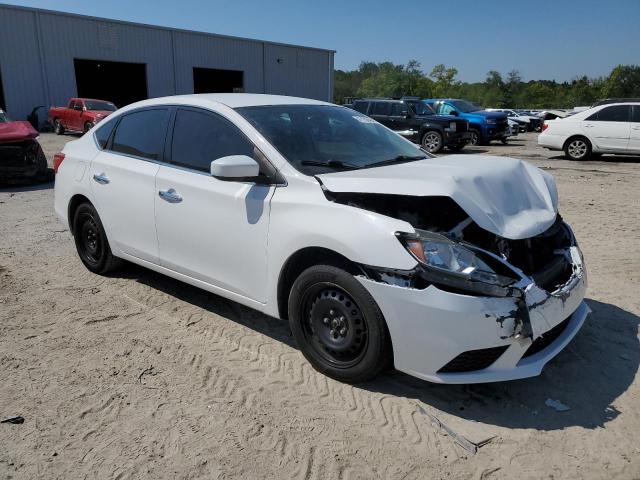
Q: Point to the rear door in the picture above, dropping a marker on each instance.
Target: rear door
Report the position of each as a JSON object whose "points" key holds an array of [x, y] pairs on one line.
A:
{"points": [[610, 127], [210, 229], [123, 180], [634, 134], [398, 120], [381, 112]]}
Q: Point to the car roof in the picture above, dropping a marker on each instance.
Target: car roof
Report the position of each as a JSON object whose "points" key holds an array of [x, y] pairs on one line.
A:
{"points": [[231, 100]]}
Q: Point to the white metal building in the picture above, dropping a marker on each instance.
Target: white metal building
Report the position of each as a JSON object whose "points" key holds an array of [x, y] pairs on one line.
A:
{"points": [[47, 57]]}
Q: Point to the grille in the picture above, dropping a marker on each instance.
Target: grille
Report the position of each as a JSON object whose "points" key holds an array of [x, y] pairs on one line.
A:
{"points": [[546, 339], [473, 360], [18, 154]]}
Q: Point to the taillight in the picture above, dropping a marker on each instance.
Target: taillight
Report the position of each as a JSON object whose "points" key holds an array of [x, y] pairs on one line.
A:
{"points": [[545, 125], [57, 161]]}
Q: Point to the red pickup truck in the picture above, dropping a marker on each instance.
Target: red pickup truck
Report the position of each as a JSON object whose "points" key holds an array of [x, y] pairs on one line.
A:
{"points": [[80, 115]]}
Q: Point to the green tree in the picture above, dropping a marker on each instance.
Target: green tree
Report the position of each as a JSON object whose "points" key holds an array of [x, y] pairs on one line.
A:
{"points": [[444, 80], [624, 81]]}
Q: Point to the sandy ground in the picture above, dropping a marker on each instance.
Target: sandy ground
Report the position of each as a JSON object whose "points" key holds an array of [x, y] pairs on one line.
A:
{"points": [[139, 376]]}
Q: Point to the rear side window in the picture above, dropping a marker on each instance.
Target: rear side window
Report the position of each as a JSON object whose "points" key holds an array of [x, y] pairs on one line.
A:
{"points": [[616, 113], [381, 108], [361, 106], [445, 109], [142, 134], [201, 137], [636, 114], [104, 132], [397, 109]]}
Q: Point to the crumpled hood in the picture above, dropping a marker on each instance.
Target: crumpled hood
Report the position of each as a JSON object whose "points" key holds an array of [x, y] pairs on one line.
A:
{"points": [[508, 197]]}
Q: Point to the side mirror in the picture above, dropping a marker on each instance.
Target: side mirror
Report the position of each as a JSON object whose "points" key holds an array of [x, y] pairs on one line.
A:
{"points": [[235, 167]]}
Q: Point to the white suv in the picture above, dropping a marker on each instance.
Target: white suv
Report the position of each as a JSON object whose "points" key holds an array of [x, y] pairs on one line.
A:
{"points": [[456, 269], [611, 128]]}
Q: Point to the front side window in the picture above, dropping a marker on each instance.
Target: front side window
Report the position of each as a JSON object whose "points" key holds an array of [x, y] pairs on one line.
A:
{"points": [[142, 134], [616, 113], [636, 114], [201, 137], [322, 138], [398, 109]]}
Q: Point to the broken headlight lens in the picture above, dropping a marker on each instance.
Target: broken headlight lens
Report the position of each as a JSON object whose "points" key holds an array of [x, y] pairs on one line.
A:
{"points": [[451, 263]]}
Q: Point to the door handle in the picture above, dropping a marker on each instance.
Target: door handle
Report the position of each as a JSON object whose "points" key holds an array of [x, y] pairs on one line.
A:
{"points": [[588, 126], [170, 196], [102, 179], [636, 128]]}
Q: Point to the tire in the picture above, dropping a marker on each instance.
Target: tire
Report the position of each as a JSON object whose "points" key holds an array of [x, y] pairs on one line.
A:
{"points": [[57, 127], [87, 126], [338, 325], [476, 137], [577, 148], [91, 241], [432, 141]]}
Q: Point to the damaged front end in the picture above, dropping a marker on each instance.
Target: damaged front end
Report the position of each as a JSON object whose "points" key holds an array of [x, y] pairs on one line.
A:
{"points": [[457, 256]]}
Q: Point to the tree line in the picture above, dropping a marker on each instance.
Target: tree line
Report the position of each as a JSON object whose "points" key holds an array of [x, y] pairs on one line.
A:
{"points": [[386, 79]]}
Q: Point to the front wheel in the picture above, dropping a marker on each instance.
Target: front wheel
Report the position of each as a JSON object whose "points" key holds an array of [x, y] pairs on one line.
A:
{"points": [[57, 127], [432, 142], [338, 325], [476, 138], [87, 126], [578, 148], [91, 240]]}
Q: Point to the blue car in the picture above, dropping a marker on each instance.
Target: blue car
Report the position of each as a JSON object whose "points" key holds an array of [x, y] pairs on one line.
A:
{"points": [[484, 125]]}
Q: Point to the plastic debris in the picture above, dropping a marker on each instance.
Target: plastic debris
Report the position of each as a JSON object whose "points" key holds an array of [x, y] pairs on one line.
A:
{"points": [[557, 405], [464, 442], [15, 420]]}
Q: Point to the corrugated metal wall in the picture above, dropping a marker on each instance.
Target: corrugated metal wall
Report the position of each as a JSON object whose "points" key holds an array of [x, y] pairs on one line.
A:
{"points": [[37, 49]]}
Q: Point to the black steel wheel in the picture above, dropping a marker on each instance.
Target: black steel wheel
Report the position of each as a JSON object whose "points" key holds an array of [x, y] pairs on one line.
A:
{"points": [[91, 240], [87, 126], [338, 325]]}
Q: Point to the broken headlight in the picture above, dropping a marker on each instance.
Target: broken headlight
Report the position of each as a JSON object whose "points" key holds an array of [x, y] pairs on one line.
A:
{"points": [[455, 265]]}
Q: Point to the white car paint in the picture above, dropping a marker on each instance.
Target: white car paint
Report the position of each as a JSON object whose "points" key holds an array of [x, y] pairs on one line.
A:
{"points": [[604, 136], [234, 238]]}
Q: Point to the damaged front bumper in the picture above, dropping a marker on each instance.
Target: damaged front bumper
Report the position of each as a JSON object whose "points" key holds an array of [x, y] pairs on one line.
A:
{"points": [[448, 337]]}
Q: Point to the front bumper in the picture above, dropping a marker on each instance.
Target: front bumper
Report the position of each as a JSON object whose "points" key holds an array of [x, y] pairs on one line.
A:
{"points": [[431, 327]]}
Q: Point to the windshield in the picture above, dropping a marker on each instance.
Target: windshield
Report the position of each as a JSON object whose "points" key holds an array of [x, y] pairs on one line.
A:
{"points": [[322, 138], [99, 105], [465, 106]]}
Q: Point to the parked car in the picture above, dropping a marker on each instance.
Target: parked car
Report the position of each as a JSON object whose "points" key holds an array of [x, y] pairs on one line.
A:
{"points": [[80, 115], [484, 125], [608, 128], [457, 269], [20, 153], [527, 122], [417, 122]]}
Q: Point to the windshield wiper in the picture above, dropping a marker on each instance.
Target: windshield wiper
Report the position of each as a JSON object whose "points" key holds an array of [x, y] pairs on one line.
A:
{"points": [[398, 159], [335, 164]]}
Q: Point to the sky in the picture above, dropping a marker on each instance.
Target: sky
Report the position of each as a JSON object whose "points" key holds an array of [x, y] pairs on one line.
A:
{"points": [[542, 39]]}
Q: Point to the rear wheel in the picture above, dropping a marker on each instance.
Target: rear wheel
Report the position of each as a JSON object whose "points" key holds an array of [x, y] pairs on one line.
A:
{"points": [[577, 148], [91, 240], [57, 127], [338, 325], [432, 141]]}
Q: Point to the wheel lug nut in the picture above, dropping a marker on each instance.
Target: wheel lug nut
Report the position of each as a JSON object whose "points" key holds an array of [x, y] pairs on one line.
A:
{"points": [[342, 319], [325, 320], [343, 331], [331, 312]]}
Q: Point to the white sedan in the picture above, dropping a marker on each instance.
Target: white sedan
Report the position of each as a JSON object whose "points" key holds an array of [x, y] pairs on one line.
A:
{"points": [[454, 270], [610, 128]]}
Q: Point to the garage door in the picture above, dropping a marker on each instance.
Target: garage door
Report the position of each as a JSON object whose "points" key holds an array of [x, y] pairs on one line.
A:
{"points": [[119, 82]]}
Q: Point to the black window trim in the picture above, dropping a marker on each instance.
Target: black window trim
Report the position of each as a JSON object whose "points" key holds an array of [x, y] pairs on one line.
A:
{"points": [[274, 176], [629, 119]]}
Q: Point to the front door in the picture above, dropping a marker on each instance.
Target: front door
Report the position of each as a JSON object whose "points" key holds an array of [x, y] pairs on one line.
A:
{"points": [[209, 229], [634, 134], [123, 181], [610, 127]]}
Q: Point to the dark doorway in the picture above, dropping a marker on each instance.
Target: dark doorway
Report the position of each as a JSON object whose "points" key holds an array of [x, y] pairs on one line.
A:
{"points": [[213, 80], [119, 82], [2, 105]]}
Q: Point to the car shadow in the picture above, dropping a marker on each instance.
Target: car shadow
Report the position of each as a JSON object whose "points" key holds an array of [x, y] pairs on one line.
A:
{"points": [[28, 184], [596, 368], [602, 159]]}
